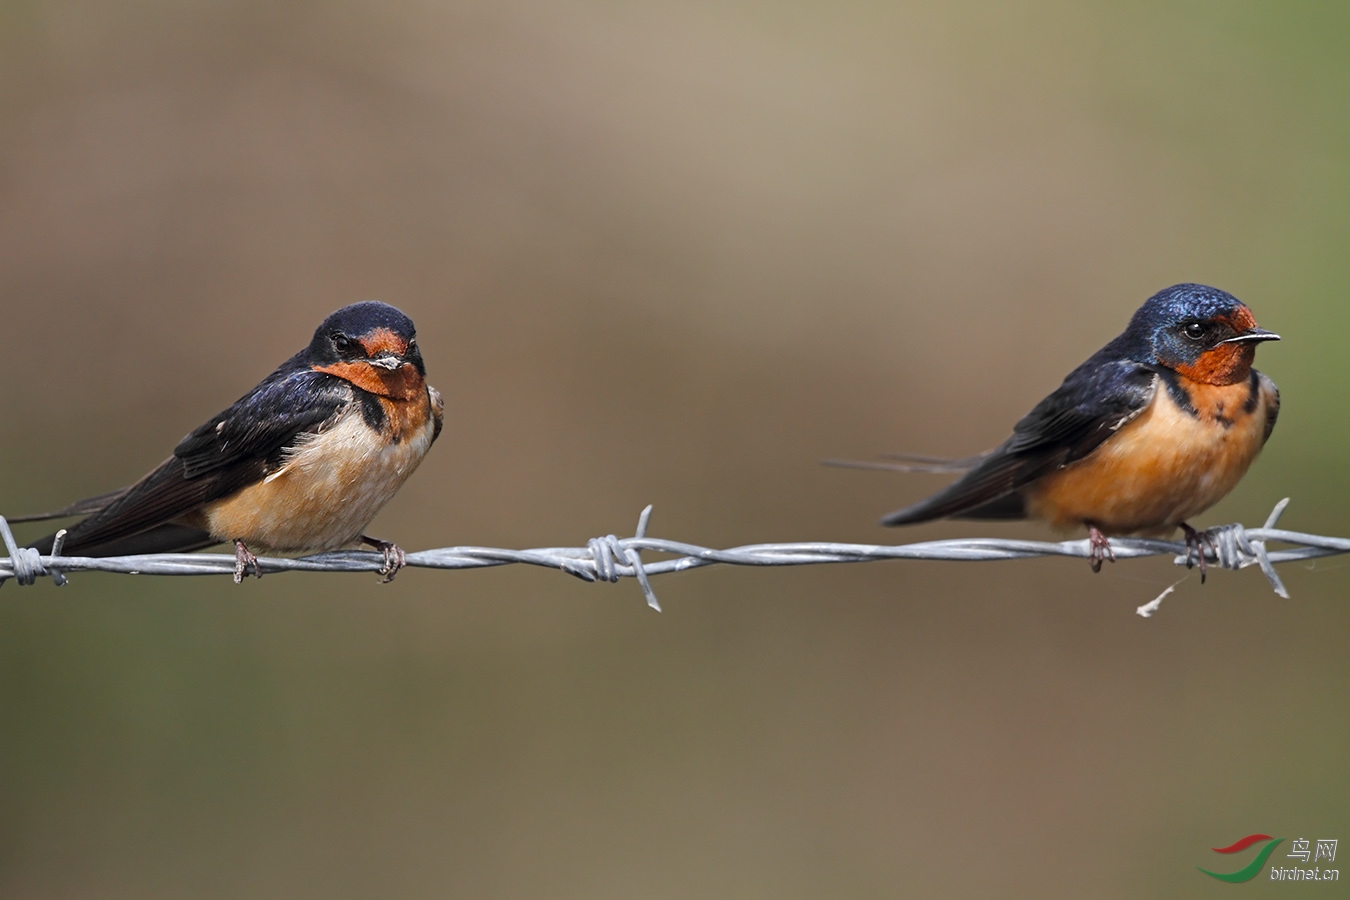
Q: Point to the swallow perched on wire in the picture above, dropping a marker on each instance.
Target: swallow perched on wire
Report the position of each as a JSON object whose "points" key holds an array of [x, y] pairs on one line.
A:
{"points": [[302, 462], [1154, 429]]}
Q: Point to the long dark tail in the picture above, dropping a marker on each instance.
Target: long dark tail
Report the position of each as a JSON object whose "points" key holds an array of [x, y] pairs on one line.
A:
{"points": [[167, 538], [910, 462], [86, 507], [1008, 507], [989, 490]]}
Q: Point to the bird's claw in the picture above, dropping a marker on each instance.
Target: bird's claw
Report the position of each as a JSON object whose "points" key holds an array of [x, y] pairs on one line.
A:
{"points": [[394, 557], [243, 559], [1099, 548], [1195, 544]]}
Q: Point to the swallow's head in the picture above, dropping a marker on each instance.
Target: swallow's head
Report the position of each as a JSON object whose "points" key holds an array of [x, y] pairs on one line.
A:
{"points": [[372, 345], [1200, 332]]}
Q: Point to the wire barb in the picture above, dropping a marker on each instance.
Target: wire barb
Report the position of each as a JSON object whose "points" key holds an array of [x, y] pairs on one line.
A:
{"points": [[58, 544], [611, 558]]}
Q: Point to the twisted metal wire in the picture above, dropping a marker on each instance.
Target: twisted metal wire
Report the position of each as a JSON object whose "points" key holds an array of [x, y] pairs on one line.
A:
{"points": [[610, 558]]}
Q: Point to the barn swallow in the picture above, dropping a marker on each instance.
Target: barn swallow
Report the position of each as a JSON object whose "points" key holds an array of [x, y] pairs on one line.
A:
{"points": [[302, 462], [1154, 429]]}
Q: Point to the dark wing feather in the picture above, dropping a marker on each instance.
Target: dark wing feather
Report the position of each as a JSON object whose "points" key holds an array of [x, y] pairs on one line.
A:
{"points": [[263, 422], [1273, 409], [1093, 402], [231, 451]]}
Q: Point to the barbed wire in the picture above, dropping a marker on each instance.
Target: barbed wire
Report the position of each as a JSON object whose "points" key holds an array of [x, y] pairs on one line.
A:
{"points": [[611, 558]]}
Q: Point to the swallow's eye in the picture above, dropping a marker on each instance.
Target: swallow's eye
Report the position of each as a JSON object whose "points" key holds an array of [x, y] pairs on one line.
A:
{"points": [[341, 343], [1196, 331]]}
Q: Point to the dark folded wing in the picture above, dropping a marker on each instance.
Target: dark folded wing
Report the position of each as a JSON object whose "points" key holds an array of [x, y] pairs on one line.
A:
{"points": [[1273, 407], [1093, 402], [263, 422], [233, 450]]}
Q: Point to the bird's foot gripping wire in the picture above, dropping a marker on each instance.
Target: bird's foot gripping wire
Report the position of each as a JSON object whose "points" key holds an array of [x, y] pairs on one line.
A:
{"points": [[243, 560], [1196, 541], [1099, 548], [394, 557]]}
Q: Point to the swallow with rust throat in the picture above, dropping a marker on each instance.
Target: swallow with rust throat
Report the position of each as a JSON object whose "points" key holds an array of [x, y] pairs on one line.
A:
{"points": [[1154, 429], [301, 463]]}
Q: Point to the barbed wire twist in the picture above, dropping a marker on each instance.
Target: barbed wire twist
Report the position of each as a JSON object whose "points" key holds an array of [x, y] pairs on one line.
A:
{"points": [[611, 558]]}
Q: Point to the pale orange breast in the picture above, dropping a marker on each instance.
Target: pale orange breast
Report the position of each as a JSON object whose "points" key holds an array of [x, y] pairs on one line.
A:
{"points": [[1163, 467], [328, 489]]}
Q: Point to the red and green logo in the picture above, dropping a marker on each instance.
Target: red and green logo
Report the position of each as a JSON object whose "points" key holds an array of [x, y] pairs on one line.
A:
{"points": [[1247, 872]]}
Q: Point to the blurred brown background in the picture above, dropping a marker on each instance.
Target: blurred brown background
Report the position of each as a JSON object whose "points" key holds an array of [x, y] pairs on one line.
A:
{"points": [[677, 254]]}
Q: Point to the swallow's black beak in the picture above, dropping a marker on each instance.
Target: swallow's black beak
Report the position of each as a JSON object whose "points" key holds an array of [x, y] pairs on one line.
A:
{"points": [[1252, 336]]}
